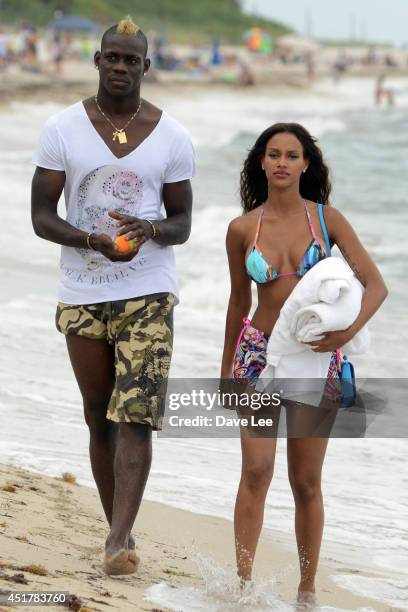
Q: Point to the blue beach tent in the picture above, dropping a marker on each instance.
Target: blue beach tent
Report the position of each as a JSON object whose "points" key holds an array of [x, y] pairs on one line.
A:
{"points": [[73, 23]]}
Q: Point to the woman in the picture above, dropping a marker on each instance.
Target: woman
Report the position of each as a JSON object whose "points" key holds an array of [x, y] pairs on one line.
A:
{"points": [[283, 179]]}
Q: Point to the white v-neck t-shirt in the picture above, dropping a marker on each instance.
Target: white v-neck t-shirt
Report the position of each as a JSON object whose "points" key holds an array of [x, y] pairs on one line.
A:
{"points": [[98, 182]]}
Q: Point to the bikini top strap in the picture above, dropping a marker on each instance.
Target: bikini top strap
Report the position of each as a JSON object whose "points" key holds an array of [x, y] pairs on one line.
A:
{"points": [[324, 228], [309, 218], [258, 226]]}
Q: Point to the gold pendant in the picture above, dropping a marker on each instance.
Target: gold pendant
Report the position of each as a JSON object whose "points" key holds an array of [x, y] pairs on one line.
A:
{"points": [[121, 136]]}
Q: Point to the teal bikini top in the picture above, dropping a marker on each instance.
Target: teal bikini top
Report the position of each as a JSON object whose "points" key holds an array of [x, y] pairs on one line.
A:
{"points": [[261, 271]]}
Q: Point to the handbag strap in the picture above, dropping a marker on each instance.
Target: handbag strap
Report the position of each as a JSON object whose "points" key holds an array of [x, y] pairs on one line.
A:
{"points": [[324, 228], [339, 357]]}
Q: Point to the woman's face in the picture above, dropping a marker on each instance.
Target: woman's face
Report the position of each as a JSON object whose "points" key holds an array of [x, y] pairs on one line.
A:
{"points": [[283, 161]]}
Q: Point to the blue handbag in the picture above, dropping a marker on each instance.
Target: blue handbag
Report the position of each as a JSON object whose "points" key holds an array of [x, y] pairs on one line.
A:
{"points": [[345, 368], [348, 383]]}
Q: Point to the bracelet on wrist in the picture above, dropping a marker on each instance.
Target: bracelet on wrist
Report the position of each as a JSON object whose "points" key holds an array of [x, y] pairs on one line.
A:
{"points": [[154, 229], [88, 242]]}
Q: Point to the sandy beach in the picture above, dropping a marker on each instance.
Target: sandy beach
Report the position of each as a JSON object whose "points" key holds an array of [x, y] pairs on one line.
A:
{"points": [[80, 79], [55, 528]]}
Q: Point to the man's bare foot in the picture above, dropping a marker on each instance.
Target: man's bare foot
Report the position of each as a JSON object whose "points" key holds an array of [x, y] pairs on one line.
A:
{"points": [[131, 542], [306, 599], [131, 550], [122, 562]]}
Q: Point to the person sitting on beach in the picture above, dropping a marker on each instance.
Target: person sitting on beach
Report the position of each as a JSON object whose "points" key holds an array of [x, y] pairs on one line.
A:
{"points": [[118, 158], [274, 243]]}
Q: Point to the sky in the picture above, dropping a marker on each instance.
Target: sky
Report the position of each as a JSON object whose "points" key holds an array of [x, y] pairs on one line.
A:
{"points": [[370, 20]]}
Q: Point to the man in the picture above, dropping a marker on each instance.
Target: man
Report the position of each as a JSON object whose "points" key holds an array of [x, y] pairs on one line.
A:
{"points": [[118, 159]]}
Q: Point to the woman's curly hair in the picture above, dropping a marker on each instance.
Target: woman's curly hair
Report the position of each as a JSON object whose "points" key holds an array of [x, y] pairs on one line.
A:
{"points": [[314, 183]]}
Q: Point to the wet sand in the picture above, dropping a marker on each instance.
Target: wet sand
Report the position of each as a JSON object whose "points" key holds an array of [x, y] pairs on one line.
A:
{"points": [[56, 528]]}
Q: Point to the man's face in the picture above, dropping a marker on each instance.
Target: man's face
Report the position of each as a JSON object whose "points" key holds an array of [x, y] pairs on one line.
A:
{"points": [[121, 64]]}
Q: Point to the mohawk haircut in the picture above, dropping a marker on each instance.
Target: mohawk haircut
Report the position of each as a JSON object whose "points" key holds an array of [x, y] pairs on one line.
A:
{"points": [[127, 27]]}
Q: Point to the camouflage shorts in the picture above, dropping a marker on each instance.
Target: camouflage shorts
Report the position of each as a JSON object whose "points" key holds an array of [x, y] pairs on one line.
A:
{"points": [[141, 330]]}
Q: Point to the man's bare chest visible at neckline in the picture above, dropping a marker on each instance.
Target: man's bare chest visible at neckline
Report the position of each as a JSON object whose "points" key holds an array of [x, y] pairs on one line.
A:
{"points": [[135, 133]]}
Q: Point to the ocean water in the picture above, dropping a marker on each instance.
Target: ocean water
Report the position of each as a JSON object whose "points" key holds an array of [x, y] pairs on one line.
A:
{"points": [[364, 483]]}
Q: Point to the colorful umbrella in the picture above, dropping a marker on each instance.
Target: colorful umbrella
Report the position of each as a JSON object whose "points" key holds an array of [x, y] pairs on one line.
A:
{"points": [[258, 40]]}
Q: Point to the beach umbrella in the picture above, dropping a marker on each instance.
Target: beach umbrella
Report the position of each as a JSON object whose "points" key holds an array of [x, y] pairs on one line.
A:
{"points": [[73, 23], [258, 40], [297, 44]]}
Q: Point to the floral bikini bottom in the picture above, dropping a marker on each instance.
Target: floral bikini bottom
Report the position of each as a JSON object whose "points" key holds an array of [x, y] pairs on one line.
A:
{"points": [[250, 360]]}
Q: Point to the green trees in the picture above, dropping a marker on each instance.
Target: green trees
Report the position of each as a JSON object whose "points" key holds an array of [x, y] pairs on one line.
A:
{"points": [[184, 20]]}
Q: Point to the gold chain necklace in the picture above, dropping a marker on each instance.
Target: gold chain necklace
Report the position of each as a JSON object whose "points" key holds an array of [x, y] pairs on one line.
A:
{"points": [[120, 134]]}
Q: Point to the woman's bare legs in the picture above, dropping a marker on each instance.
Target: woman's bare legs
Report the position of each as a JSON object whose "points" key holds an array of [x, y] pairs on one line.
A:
{"points": [[305, 461]]}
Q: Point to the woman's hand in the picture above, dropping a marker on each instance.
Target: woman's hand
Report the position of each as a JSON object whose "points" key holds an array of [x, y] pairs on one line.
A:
{"points": [[134, 228], [331, 341]]}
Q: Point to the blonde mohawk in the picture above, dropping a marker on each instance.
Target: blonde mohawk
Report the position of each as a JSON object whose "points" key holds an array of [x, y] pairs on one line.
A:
{"points": [[127, 26]]}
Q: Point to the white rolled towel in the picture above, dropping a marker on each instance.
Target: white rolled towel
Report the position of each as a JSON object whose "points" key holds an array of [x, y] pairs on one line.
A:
{"points": [[311, 322]]}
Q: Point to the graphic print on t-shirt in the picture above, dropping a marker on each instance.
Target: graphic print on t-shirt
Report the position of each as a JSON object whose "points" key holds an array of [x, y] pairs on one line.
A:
{"points": [[106, 189]]}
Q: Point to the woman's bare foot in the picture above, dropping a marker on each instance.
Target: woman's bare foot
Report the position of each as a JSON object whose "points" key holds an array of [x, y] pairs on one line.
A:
{"points": [[306, 600], [246, 589]]}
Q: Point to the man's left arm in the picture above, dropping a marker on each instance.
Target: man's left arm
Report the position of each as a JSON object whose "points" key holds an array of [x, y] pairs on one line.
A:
{"points": [[175, 229], [177, 200]]}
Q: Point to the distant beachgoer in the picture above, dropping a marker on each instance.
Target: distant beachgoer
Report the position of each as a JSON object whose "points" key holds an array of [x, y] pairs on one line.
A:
{"points": [[277, 240], [340, 65], [372, 57], [390, 97], [379, 90], [4, 49], [310, 66], [118, 158], [85, 49], [246, 77], [57, 53], [382, 92], [216, 58], [30, 46], [390, 61], [159, 51]]}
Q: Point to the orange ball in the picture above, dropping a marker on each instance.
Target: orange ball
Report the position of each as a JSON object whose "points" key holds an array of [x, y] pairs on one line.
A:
{"points": [[124, 245]]}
